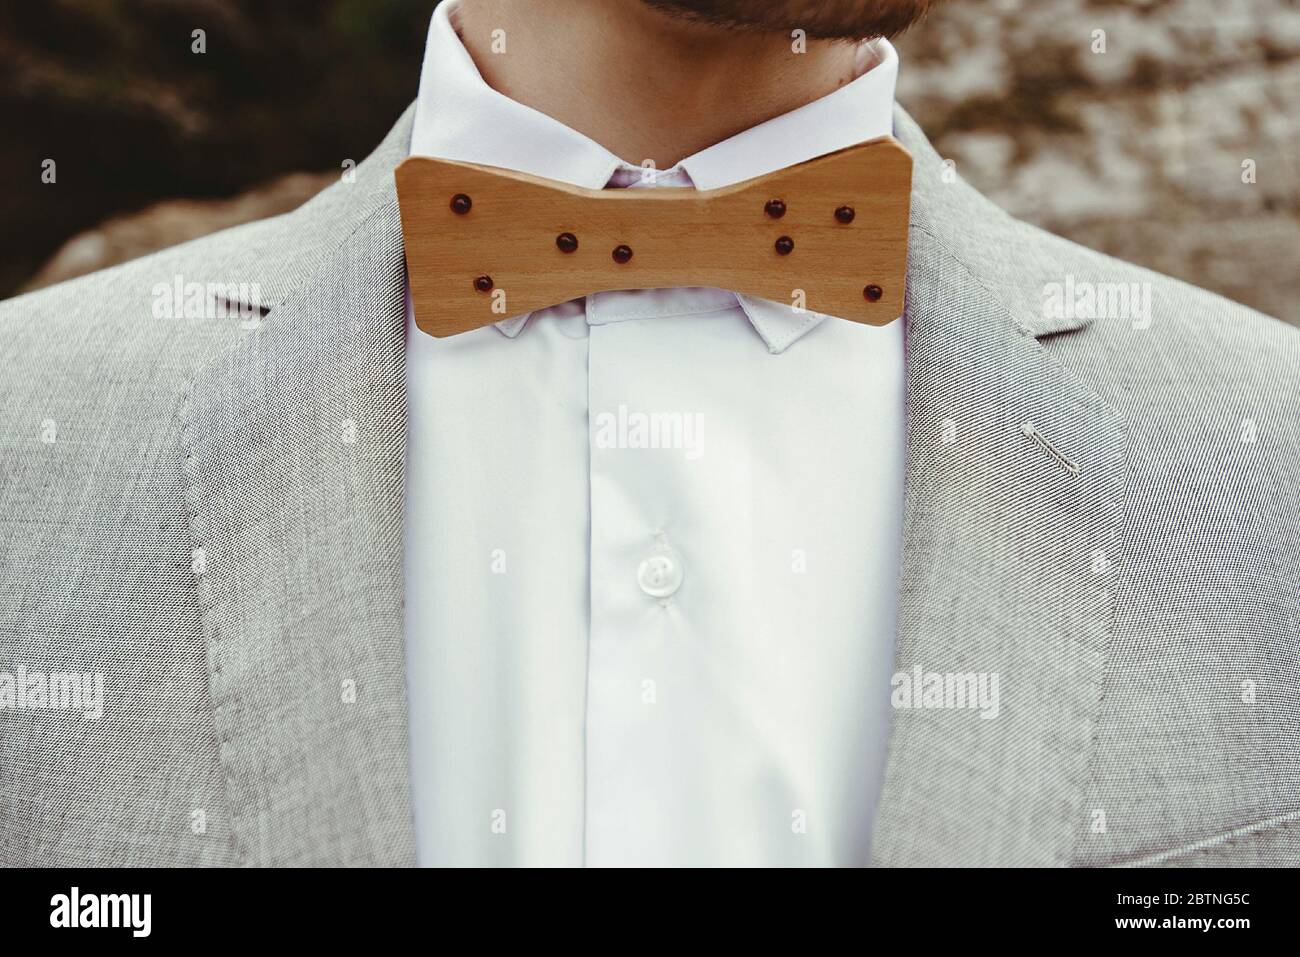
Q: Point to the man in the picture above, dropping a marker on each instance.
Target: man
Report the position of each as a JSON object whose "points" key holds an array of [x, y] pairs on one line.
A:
{"points": [[995, 583]]}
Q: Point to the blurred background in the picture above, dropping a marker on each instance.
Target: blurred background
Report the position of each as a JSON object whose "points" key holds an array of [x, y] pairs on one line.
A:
{"points": [[1126, 125]]}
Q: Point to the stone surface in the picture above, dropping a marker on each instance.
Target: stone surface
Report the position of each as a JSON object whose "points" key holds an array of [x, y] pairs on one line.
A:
{"points": [[169, 223], [1140, 148]]}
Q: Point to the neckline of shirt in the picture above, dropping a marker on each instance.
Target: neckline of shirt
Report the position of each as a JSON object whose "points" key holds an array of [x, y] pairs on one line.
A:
{"points": [[460, 117]]}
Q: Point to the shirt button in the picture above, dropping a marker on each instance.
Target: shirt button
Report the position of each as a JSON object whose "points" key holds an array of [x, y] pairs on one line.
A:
{"points": [[660, 575]]}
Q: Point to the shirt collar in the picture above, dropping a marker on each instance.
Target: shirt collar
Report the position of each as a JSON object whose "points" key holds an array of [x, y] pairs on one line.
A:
{"points": [[459, 117]]}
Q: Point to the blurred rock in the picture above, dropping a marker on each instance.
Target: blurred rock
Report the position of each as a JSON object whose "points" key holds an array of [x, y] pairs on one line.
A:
{"points": [[175, 221], [137, 101], [1140, 150]]}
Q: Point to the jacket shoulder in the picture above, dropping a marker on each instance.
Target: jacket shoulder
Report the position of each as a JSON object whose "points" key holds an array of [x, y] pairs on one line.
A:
{"points": [[142, 324], [1146, 322], [133, 331]]}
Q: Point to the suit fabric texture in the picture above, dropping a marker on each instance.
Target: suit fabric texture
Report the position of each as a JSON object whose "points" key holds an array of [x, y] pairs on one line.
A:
{"points": [[1104, 512]]}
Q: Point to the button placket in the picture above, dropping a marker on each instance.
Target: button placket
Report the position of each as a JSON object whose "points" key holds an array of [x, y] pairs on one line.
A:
{"points": [[661, 572]]}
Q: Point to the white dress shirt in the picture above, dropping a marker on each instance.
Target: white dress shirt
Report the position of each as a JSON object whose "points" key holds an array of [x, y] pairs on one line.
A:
{"points": [[652, 538]]}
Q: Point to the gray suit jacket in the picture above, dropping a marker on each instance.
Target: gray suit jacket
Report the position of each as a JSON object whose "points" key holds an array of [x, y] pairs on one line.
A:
{"points": [[211, 517]]}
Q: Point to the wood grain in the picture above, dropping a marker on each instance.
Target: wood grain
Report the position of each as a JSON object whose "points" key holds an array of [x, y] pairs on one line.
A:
{"points": [[678, 237]]}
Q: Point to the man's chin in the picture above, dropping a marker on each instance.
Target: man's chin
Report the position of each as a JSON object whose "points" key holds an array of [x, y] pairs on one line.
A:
{"points": [[819, 19]]}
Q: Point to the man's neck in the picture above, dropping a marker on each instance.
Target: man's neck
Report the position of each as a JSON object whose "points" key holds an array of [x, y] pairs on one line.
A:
{"points": [[644, 85]]}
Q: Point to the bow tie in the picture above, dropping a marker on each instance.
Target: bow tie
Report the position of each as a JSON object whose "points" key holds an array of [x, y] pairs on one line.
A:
{"points": [[828, 235]]}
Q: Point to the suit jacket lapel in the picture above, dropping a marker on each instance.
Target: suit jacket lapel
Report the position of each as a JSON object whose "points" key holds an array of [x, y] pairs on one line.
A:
{"points": [[295, 471], [1009, 558]]}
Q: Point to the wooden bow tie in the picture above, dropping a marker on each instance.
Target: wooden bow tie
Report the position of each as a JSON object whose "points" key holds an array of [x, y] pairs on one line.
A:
{"points": [[828, 235]]}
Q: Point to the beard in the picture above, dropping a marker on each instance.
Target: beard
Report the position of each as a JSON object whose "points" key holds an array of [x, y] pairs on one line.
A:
{"points": [[819, 19]]}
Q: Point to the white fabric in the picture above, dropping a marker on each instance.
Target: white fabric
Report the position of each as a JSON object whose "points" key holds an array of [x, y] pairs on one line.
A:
{"points": [[668, 655]]}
